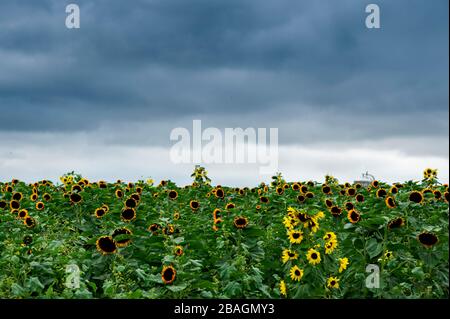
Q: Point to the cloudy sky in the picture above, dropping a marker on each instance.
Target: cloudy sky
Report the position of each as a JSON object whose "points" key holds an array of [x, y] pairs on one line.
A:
{"points": [[102, 100]]}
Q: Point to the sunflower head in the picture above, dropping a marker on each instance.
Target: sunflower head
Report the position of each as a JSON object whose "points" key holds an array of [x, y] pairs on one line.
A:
{"points": [[178, 250], [240, 222], [427, 239], [283, 289], [128, 214], [75, 198], [40, 205], [296, 273], [121, 237], [333, 283], [416, 197], [106, 245], [313, 256], [396, 223], [194, 204], [168, 274], [173, 194], [390, 202], [30, 222], [353, 216]]}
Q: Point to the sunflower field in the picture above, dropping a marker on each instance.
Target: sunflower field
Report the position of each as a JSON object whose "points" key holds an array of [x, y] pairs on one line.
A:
{"points": [[83, 239]]}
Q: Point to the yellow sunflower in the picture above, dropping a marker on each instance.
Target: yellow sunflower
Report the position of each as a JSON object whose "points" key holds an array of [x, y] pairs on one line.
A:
{"points": [[333, 283], [313, 256], [343, 263], [295, 236], [288, 255], [296, 273]]}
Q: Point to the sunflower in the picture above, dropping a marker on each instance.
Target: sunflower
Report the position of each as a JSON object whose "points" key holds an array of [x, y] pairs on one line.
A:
{"points": [[23, 214], [359, 198], [139, 190], [130, 203], [313, 256], [349, 206], [100, 212], [173, 194], [3, 204], [330, 246], [388, 254], [288, 255], [176, 216], [296, 186], [351, 191], [154, 228], [136, 197], [326, 189], [353, 216], [240, 222], [396, 223], [381, 193], [194, 204], [301, 198], [216, 213], [128, 214], [375, 184], [333, 283], [390, 202], [335, 211], [230, 206], [14, 204], [394, 190], [280, 190], [119, 193], [40, 205], [17, 196], [295, 236], [427, 239], [124, 232], [178, 250], [30, 222], [283, 289], [416, 197], [296, 273], [76, 188], [343, 263], [33, 197], [264, 199], [219, 193], [304, 189], [75, 198], [168, 274], [329, 236], [447, 196], [309, 195], [27, 240], [106, 245], [437, 194], [47, 197]]}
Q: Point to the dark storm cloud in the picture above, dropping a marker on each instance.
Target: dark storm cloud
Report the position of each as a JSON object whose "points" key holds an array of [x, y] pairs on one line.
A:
{"points": [[161, 61]]}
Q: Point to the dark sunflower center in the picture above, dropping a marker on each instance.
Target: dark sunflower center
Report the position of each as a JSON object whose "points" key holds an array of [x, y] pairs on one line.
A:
{"points": [[296, 235], [354, 216], [168, 274], [297, 272], [333, 283], [107, 245], [416, 197], [314, 256], [131, 203], [128, 214], [428, 239]]}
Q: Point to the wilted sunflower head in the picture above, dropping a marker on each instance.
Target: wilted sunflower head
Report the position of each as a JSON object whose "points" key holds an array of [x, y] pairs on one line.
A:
{"points": [[349, 206], [154, 228], [168, 274], [121, 237], [351, 191], [106, 245], [27, 240], [335, 211], [329, 203], [375, 184], [437, 194], [230, 206], [427, 239], [216, 213], [3, 204], [301, 198], [240, 222]]}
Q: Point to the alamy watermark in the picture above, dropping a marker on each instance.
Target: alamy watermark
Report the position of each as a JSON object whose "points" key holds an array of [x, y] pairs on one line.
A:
{"points": [[373, 279], [373, 20], [73, 17], [233, 146], [73, 276]]}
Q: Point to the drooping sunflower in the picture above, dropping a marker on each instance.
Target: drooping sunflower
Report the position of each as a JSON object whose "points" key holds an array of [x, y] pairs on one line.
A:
{"points": [[343, 263], [416, 197], [168, 274], [100, 212], [47, 197], [288, 255], [240, 222], [349, 206], [40, 205], [173, 194], [128, 214], [396, 223], [326, 189], [27, 240], [301, 198], [295, 236], [390, 202], [313, 256], [381, 193], [375, 184], [351, 191], [283, 289], [264, 199], [154, 228], [437, 194], [106, 245], [125, 233], [427, 239], [194, 204], [296, 273], [353, 216], [333, 283], [359, 198]]}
